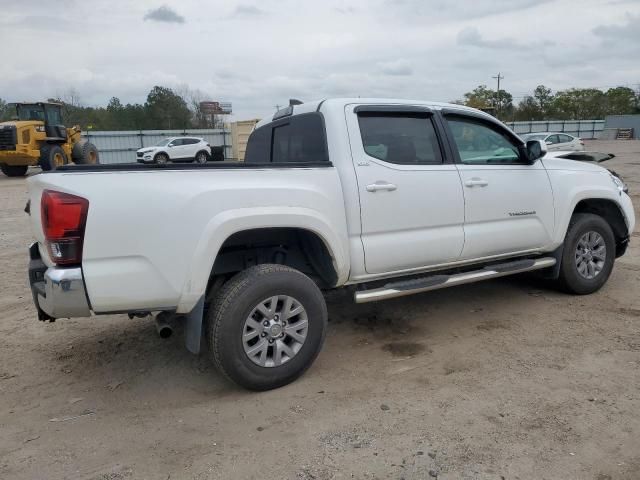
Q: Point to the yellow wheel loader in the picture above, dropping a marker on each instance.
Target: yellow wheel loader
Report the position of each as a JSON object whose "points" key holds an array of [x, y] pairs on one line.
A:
{"points": [[38, 137]]}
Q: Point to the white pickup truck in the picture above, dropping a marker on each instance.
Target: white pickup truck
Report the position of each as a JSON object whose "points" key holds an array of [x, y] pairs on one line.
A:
{"points": [[386, 197]]}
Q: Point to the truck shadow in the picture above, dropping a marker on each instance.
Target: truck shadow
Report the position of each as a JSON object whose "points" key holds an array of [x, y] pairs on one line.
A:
{"points": [[120, 355]]}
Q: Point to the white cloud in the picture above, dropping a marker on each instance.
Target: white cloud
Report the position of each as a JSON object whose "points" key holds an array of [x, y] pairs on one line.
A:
{"points": [[257, 55]]}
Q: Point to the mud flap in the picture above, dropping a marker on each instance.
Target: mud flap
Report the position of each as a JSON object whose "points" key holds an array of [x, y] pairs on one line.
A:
{"points": [[193, 327]]}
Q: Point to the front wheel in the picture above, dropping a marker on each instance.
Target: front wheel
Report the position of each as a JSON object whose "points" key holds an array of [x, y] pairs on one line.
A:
{"points": [[162, 158], [52, 157], [202, 157], [589, 252], [267, 326]]}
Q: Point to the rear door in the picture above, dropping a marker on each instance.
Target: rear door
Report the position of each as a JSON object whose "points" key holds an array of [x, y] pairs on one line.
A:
{"points": [[411, 201], [191, 146], [508, 202], [566, 142]]}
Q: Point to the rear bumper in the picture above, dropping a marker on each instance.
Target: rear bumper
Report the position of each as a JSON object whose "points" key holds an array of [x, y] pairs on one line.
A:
{"points": [[57, 292]]}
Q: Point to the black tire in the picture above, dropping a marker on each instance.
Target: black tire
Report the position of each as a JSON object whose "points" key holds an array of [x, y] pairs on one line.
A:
{"points": [[48, 155], [570, 279], [235, 302], [14, 170], [201, 157], [85, 153], [161, 158]]}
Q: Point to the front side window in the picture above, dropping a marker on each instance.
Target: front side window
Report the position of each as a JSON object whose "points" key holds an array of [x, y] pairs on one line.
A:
{"points": [[402, 138], [477, 143], [53, 116], [552, 139]]}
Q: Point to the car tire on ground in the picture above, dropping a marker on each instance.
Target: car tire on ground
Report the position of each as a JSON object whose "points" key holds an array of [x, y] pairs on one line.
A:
{"points": [[85, 153], [202, 157], [588, 255], [161, 158], [51, 157], [266, 326], [14, 170]]}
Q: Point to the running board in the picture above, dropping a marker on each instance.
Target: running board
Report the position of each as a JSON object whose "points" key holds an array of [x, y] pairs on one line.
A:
{"points": [[435, 282]]}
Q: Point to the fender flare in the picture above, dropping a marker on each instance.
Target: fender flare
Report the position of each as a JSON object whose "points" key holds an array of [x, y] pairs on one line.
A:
{"points": [[229, 222]]}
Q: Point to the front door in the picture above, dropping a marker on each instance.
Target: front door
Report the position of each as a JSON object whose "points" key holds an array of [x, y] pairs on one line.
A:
{"points": [[411, 201], [508, 201]]}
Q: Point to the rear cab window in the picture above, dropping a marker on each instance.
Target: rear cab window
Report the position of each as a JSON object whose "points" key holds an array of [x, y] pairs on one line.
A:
{"points": [[295, 139]]}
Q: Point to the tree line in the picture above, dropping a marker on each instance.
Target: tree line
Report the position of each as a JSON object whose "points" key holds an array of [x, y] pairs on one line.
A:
{"points": [[543, 104], [179, 108], [164, 109]]}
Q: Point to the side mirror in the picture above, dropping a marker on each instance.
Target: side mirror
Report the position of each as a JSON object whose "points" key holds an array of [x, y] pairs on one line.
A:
{"points": [[548, 143], [170, 145], [536, 149]]}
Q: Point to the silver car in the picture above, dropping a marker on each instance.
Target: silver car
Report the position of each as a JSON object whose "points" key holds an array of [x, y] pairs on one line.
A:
{"points": [[557, 141]]}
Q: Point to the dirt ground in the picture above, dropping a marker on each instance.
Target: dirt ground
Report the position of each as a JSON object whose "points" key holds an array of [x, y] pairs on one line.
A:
{"points": [[506, 379]]}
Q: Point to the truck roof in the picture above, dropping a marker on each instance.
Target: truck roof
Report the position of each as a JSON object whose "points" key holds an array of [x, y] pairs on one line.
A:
{"points": [[340, 103]]}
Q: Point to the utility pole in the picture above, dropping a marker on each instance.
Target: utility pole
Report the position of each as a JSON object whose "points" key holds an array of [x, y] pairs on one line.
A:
{"points": [[498, 78]]}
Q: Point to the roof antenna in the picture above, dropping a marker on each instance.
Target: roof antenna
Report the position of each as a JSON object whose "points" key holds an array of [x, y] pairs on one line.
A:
{"points": [[294, 101]]}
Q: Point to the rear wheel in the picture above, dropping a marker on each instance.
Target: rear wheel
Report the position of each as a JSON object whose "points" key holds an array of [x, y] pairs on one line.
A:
{"points": [[202, 157], [588, 256], [14, 170], [52, 157], [85, 153], [161, 158], [267, 326]]}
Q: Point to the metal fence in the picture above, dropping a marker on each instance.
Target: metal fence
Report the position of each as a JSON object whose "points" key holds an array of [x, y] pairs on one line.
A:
{"points": [[588, 129], [121, 146]]}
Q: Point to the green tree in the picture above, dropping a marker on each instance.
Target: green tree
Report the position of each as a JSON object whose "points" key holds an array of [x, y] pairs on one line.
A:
{"points": [[484, 98], [621, 101], [5, 111], [579, 104], [544, 99], [528, 109], [480, 97], [166, 109]]}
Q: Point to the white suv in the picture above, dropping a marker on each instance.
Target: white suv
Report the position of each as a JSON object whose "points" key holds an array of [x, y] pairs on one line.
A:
{"points": [[176, 149]]}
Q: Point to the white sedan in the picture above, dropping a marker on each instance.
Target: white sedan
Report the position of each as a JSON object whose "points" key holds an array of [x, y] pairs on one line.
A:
{"points": [[557, 141], [176, 149]]}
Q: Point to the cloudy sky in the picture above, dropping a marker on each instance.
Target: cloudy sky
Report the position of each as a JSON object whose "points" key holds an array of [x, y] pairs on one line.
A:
{"points": [[257, 54]]}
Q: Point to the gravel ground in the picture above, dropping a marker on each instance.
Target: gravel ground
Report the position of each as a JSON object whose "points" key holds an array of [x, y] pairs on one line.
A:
{"points": [[500, 380]]}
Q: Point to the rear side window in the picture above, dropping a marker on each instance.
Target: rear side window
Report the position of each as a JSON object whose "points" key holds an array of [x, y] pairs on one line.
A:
{"points": [[299, 139], [402, 138]]}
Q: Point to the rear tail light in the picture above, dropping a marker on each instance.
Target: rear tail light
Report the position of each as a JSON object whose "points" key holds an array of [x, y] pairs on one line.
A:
{"points": [[64, 217]]}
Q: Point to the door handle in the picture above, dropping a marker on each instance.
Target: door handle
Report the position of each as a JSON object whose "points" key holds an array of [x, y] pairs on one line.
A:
{"points": [[374, 187], [476, 182]]}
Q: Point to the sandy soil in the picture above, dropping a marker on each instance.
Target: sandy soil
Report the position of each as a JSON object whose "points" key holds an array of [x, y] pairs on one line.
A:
{"points": [[500, 380]]}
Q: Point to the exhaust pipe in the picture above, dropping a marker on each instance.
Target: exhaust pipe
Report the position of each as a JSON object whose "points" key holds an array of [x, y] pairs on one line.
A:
{"points": [[162, 326]]}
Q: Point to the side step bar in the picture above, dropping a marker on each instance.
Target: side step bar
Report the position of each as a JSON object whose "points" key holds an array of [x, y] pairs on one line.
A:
{"points": [[435, 282]]}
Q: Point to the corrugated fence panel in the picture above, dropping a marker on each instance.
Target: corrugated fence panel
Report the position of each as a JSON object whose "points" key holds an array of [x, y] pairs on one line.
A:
{"points": [[121, 146], [588, 129]]}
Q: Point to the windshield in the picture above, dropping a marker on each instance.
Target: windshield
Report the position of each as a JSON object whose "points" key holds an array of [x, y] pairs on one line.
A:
{"points": [[30, 112], [163, 143], [533, 136]]}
